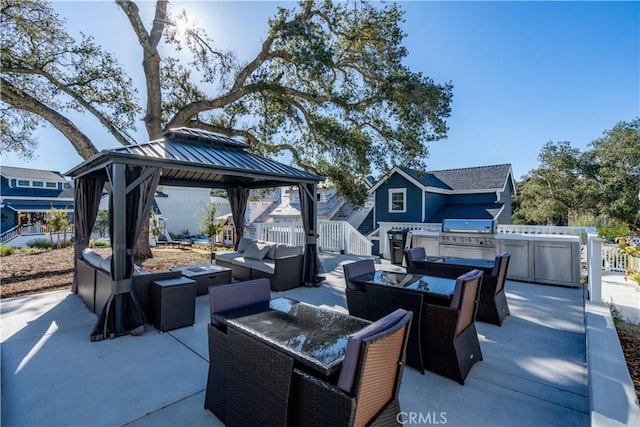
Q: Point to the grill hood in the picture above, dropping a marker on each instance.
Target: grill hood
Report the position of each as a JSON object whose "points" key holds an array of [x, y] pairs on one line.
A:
{"points": [[473, 226]]}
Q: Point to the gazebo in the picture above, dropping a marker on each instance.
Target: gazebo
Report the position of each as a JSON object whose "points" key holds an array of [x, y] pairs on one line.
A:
{"points": [[180, 157]]}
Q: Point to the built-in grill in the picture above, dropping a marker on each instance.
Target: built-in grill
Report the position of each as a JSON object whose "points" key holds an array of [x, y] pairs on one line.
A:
{"points": [[468, 238]]}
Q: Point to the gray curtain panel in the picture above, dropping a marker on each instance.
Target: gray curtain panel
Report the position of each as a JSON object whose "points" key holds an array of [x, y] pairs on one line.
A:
{"points": [[85, 211], [122, 314], [238, 198], [311, 269]]}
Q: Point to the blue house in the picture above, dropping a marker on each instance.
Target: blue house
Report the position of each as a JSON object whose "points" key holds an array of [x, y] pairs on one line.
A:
{"points": [[406, 195], [27, 195]]}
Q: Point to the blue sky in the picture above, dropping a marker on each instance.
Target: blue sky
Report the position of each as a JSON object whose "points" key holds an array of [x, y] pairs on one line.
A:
{"points": [[524, 73]]}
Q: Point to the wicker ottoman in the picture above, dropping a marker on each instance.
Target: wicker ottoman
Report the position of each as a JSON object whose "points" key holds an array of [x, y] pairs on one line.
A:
{"points": [[173, 303]]}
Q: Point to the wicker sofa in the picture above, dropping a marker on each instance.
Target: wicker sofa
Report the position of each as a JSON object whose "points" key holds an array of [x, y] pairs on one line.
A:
{"points": [[94, 282], [254, 259]]}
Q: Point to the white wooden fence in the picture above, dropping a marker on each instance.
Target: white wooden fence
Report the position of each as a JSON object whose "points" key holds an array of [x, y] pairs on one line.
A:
{"points": [[334, 236]]}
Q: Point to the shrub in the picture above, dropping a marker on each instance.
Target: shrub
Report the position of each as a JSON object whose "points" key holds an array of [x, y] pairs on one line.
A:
{"points": [[7, 250], [39, 244]]}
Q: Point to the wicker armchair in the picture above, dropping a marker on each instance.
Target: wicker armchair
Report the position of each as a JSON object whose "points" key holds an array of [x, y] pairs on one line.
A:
{"points": [[367, 390], [451, 345], [355, 292], [245, 297], [410, 255], [493, 307]]}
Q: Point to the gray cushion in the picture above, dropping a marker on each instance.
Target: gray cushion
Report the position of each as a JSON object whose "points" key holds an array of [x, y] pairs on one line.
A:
{"points": [[257, 251], [228, 256], [287, 250], [272, 251], [93, 258], [265, 266], [352, 354], [239, 294], [244, 243]]}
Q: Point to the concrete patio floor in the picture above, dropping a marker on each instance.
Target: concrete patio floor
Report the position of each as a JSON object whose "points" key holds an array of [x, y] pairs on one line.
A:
{"points": [[534, 371]]}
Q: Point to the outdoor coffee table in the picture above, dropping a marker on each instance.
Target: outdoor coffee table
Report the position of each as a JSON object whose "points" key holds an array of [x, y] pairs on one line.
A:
{"points": [[205, 275]]}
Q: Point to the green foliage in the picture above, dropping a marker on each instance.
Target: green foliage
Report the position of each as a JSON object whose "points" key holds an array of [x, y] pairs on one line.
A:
{"points": [[102, 223], [39, 244], [46, 71], [616, 313], [209, 226], [329, 85], [58, 222], [602, 182], [154, 225], [7, 250], [102, 243]]}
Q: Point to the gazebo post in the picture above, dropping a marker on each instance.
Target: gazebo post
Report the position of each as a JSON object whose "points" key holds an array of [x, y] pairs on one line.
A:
{"points": [[119, 243]]}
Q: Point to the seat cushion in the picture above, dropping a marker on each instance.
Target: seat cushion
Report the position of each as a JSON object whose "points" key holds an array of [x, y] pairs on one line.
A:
{"points": [[351, 361], [265, 266], [228, 256], [239, 294]]}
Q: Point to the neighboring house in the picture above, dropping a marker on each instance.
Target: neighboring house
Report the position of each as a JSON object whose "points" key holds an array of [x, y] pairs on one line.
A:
{"points": [[406, 195], [27, 196], [182, 208]]}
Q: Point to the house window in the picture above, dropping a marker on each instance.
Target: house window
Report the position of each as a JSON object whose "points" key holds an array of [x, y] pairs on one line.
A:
{"points": [[228, 235], [398, 200], [52, 185], [23, 183], [37, 184]]}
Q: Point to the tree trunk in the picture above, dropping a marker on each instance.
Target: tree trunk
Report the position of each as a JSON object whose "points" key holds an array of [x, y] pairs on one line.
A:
{"points": [[142, 250]]}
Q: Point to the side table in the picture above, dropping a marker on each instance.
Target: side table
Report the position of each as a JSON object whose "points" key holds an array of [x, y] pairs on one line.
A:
{"points": [[173, 303]]}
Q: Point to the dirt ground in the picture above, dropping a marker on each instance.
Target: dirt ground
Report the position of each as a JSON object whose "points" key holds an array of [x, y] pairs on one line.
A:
{"points": [[28, 273]]}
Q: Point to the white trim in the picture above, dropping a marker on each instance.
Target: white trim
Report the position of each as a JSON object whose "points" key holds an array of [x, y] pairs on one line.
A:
{"points": [[499, 213], [402, 191], [402, 173], [424, 208]]}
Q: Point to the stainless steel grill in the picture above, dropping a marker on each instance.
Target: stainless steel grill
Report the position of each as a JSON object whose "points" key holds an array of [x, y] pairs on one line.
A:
{"points": [[468, 238]]}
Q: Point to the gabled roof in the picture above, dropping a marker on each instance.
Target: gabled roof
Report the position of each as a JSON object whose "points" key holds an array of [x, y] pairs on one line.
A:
{"points": [[196, 158], [31, 174], [479, 179], [475, 211]]}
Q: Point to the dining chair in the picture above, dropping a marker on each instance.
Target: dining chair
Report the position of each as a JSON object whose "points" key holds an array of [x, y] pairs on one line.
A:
{"points": [[367, 389], [355, 292], [410, 255], [248, 297], [451, 345], [493, 307]]}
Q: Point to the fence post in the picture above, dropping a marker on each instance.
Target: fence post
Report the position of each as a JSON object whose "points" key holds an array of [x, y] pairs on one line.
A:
{"points": [[595, 268]]}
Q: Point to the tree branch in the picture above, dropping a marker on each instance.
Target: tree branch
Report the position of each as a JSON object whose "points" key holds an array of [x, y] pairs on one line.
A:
{"points": [[122, 138], [21, 100]]}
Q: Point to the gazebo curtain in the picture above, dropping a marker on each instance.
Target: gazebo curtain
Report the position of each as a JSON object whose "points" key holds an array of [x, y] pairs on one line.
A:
{"points": [[311, 268], [132, 192], [238, 198], [87, 201]]}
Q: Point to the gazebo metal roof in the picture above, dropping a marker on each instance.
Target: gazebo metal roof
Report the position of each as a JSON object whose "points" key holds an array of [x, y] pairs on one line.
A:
{"points": [[196, 158]]}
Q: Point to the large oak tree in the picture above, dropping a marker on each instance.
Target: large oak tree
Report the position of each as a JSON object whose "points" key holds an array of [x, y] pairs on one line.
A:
{"points": [[328, 86]]}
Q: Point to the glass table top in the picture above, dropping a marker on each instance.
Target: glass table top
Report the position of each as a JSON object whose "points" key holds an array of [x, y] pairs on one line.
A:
{"points": [[429, 284], [315, 336], [465, 262]]}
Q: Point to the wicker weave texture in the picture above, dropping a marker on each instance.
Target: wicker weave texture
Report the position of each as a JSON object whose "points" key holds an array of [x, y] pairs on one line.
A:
{"points": [[357, 303], [382, 300], [215, 398], [445, 353], [173, 306], [259, 383]]}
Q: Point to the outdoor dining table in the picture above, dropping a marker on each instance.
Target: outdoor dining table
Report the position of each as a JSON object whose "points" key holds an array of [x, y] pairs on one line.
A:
{"points": [[387, 291], [265, 347], [453, 267]]}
